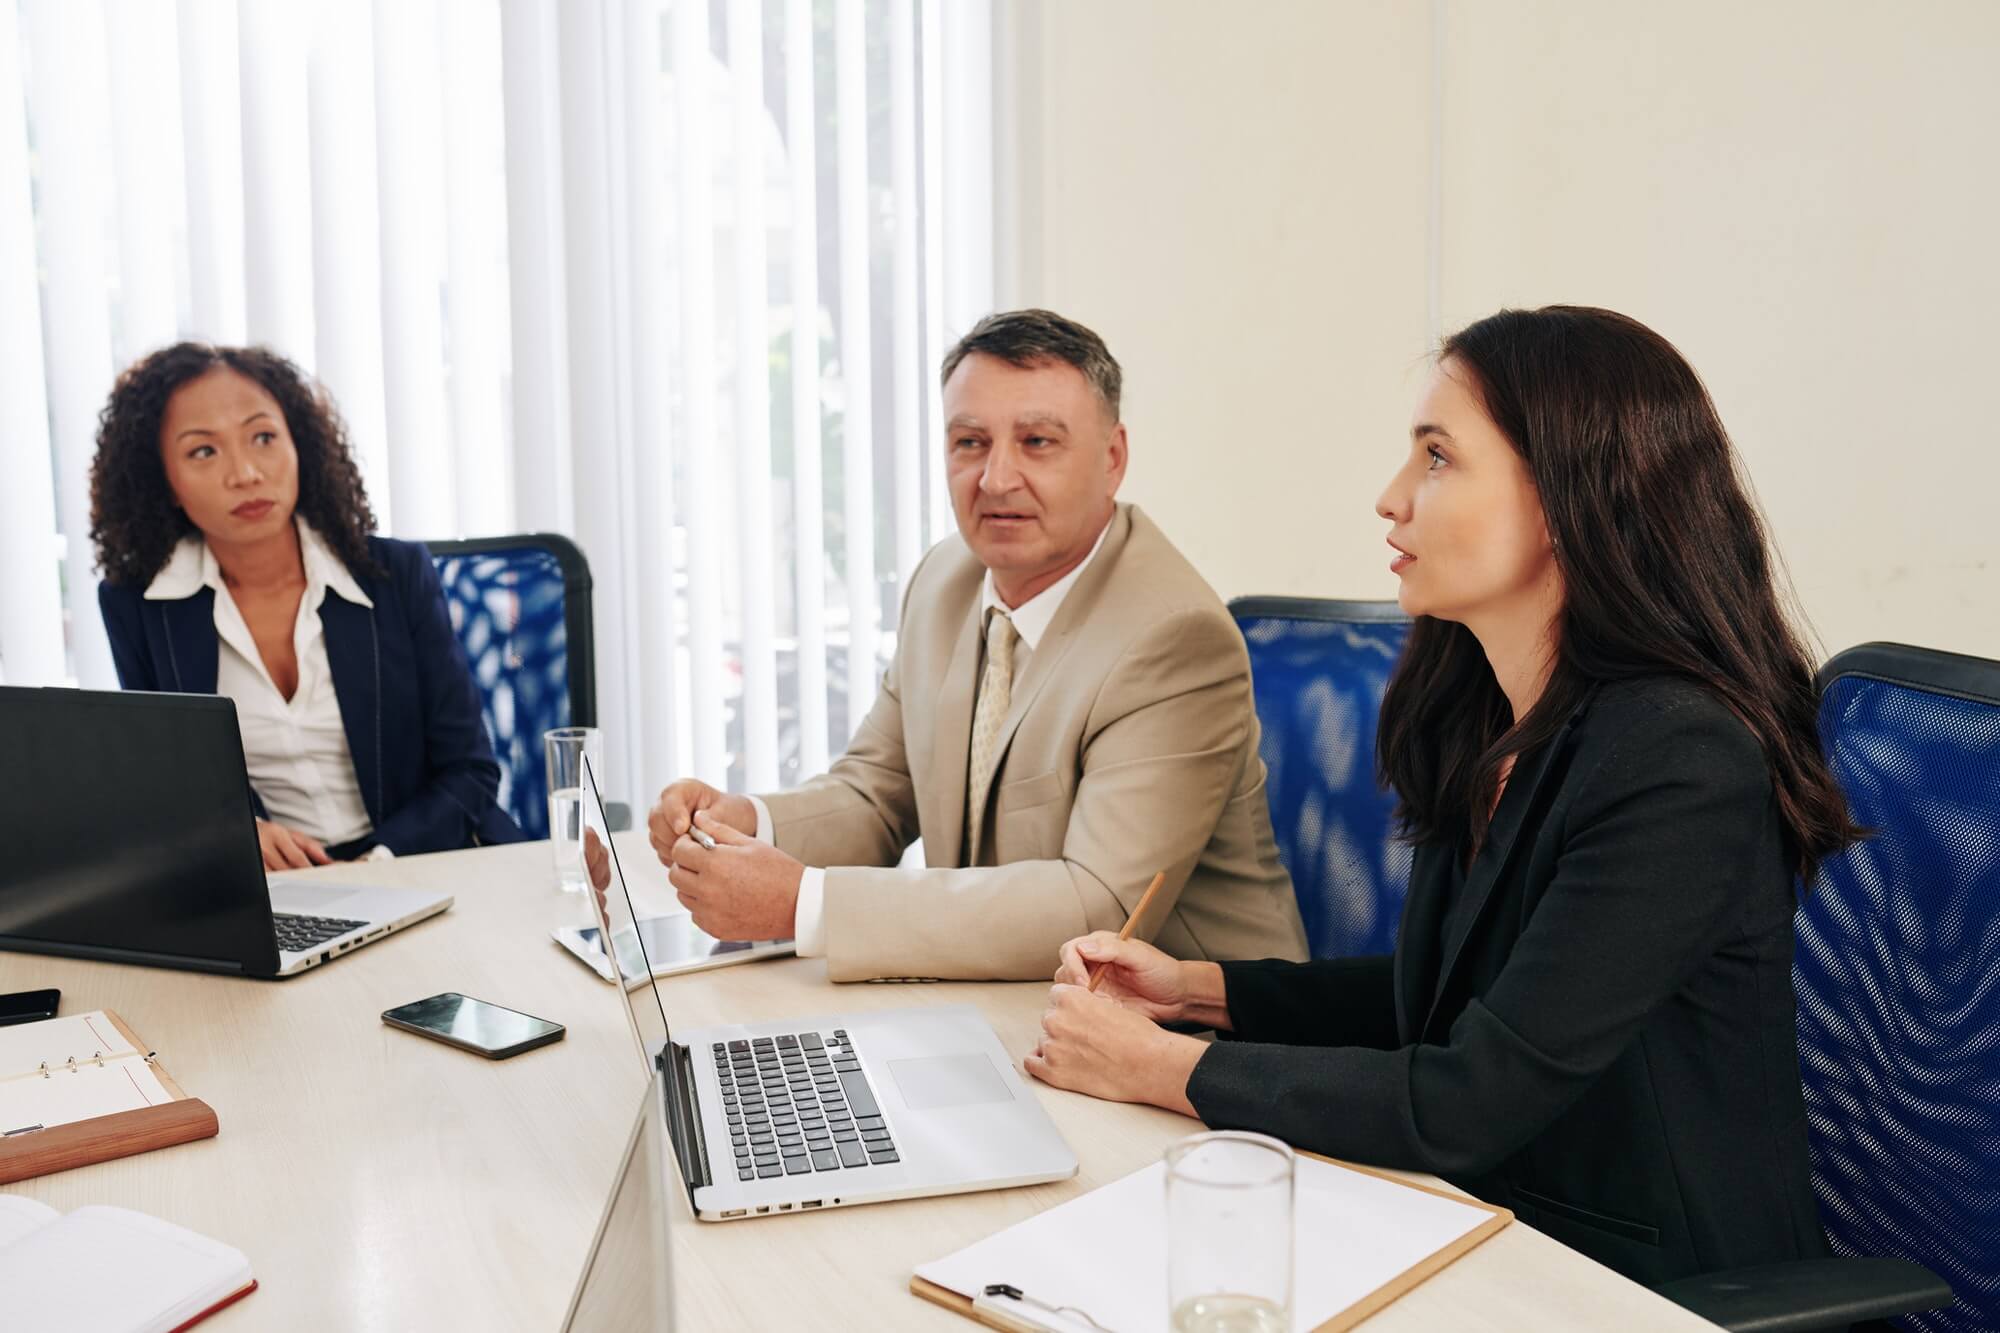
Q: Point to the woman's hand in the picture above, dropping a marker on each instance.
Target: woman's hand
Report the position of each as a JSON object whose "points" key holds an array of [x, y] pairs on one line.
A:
{"points": [[1136, 975], [288, 849], [1097, 1046]]}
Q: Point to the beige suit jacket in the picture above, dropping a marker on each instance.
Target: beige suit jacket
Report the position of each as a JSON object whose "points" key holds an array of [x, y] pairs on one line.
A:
{"points": [[1130, 747]]}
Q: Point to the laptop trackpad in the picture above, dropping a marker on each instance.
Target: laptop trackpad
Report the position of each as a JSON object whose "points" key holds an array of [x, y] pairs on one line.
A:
{"points": [[948, 1080], [311, 900]]}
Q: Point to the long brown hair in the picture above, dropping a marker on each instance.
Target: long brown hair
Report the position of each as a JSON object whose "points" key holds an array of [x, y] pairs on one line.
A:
{"points": [[134, 520], [1666, 571]]}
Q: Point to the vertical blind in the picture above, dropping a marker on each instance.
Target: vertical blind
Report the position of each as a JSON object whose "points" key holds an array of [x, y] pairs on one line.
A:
{"points": [[671, 277]]}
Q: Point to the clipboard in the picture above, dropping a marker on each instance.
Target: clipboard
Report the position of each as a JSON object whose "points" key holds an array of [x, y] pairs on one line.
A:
{"points": [[30, 1151], [1381, 1296]]}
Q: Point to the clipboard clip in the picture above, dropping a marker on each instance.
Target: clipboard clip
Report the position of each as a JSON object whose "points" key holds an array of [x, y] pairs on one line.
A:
{"points": [[1022, 1311]]}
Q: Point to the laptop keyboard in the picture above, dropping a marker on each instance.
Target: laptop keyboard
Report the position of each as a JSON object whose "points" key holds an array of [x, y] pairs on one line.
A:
{"points": [[798, 1104], [296, 934]]}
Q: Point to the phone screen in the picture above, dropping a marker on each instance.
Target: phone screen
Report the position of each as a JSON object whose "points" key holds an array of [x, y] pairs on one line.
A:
{"points": [[464, 1021]]}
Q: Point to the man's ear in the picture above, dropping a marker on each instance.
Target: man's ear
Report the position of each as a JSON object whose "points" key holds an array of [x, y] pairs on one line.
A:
{"points": [[1116, 455]]}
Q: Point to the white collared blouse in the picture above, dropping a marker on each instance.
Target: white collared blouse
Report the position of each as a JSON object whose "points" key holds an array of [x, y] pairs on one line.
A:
{"points": [[296, 748]]}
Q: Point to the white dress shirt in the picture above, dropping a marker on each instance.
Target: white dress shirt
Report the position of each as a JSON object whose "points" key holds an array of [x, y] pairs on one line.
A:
{"points": [[295, 749], [1032, 619]]}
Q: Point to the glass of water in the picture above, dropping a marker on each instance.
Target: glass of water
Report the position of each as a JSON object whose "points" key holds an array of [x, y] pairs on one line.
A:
{"points": [[1229, 1234], [569, 798]]}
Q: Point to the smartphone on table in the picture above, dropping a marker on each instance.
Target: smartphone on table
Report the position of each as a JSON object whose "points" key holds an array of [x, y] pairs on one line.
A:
{"points": [[492, 1030], [29, 1006]]}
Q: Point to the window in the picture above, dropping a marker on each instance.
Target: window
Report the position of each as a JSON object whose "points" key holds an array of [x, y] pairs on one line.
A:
{"points": [[671, 277]]}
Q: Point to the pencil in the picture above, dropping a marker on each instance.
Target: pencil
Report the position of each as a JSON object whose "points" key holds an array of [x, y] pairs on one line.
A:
{"points": [[1132, 922]]}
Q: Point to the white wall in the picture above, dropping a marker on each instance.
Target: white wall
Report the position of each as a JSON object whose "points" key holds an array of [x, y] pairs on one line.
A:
{"points": [[1233, 196], [1800, 195]]}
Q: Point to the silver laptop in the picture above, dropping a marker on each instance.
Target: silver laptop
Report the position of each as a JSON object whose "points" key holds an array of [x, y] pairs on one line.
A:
{"points": [[848, 1108], [625, 1286], [131, 837], [316, 923]]}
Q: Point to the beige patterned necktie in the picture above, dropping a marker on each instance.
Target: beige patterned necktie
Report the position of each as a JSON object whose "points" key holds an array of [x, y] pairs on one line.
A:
{"points": [[996, 688]]}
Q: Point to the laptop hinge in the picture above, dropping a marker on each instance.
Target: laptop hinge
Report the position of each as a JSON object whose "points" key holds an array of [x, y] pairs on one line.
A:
{"points": [[684, 1116], [112, 954]]}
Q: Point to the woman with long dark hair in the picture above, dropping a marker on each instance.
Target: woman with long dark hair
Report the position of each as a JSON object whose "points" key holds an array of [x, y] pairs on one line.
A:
{"points": [[239, 559], [1602, 738]]}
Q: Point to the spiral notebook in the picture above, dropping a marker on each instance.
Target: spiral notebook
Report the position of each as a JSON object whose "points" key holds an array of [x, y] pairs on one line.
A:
{"points": [[83, 1089]]}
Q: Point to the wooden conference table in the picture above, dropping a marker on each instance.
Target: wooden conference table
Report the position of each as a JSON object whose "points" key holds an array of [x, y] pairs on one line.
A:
{"points": [[379, 1180]]}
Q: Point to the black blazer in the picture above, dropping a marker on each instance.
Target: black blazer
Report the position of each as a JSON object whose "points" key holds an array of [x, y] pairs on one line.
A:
{"points": [[407, 700], [1605, 1043]]}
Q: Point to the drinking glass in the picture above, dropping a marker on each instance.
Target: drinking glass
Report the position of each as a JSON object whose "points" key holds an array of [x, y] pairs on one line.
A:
{"points": [[569, 798], [1229, 1234]]}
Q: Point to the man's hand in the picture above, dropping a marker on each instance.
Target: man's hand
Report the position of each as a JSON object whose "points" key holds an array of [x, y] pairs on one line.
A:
{"points": [[742, 889], [288, 849], [673, 815], [1095, 1045]]}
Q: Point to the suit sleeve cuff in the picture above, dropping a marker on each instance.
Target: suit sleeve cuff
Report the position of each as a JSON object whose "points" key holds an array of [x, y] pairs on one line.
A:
{"points": [[809, 918]]}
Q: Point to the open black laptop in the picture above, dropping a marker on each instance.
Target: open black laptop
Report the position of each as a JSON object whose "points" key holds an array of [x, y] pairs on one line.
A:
{"points": [[129, 835]]}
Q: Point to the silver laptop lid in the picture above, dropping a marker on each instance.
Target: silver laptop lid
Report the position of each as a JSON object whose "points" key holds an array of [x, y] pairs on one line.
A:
{"points": [[626, 1284], [617, 919], [662, 1055]]}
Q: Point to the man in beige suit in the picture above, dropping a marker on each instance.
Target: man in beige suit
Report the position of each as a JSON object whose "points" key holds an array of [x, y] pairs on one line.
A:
{"points": [[1068, 712]]}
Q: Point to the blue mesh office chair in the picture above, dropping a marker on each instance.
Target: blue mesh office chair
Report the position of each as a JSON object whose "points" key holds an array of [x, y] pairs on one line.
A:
{"points": [[1898, 980], [1318, 669], [1898, 974], [521, 608]]}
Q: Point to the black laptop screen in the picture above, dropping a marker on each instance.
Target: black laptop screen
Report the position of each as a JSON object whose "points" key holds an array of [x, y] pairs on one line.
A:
{"points": [[128, 831]]}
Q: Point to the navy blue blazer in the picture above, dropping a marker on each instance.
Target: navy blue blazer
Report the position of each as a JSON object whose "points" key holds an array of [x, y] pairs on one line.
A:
{"points": [[407, 701]]}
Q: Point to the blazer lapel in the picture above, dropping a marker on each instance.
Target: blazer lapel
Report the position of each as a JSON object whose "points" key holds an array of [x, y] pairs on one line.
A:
{"points": [[1491, 863], [1042, 664], [351, 655], [943, 824], [193, 646], [1061, 633], [1415, 961]]}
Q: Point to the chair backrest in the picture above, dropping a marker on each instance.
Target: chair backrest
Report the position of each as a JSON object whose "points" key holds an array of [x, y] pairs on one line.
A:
{"points": [[1898, 974], [1318, 669], [521, 608]]}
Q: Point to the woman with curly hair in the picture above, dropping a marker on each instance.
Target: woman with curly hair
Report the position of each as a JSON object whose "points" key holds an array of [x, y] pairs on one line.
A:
{"points": [[238, 557]]}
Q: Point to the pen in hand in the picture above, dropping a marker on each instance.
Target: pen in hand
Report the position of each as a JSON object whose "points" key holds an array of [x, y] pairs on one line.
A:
{"points": [[1131, 924]]}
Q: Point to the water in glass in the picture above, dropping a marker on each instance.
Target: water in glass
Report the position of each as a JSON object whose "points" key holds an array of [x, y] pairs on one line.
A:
{"points": [[566, 836]]}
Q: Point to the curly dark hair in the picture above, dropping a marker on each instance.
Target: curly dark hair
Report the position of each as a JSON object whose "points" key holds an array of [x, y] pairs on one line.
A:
{"points": [[134, 521]]}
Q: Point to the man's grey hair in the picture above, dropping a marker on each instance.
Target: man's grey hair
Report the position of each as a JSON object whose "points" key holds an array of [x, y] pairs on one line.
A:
{"points": [[1034, 337]]}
